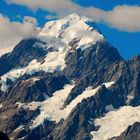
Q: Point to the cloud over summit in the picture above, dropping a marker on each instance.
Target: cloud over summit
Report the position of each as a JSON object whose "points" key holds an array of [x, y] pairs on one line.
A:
{"points": [[124, 17], [12, 32]]}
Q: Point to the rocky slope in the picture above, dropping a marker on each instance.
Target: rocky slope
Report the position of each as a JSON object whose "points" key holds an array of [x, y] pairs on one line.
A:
{"points": [[69, 83]]}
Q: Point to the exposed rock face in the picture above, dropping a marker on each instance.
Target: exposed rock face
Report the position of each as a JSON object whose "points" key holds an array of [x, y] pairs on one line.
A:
{"points": [[103, 64], [23, 53], [42, 132], [34, 89], [134, 89], [90, 67]]}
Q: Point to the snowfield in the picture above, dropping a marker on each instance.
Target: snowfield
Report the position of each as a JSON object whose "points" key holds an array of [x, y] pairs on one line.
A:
{"points": [[51, 108], [73, 27], [115, 122]]}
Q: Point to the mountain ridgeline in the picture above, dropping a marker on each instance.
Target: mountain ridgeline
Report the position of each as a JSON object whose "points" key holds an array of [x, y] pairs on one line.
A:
{"points": [[69, 83]]}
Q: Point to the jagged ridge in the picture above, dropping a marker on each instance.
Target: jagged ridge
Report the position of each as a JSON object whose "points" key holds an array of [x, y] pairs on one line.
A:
{"points": [[59, 83]]}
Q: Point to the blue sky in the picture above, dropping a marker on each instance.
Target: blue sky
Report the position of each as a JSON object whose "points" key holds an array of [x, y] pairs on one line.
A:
{"points": [[128, 43], [107, 5]]}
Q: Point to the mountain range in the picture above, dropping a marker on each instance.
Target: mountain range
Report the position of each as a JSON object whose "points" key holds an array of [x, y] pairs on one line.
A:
{"points": [[69, 83]]}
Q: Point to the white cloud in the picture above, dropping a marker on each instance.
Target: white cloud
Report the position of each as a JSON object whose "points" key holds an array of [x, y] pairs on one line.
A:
{"points": [[12, 32], [126, 18]]}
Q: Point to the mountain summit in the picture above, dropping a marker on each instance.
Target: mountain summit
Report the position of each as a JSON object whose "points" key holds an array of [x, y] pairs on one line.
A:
{"points": [[58, 38], [73, 28], [69, 83]]}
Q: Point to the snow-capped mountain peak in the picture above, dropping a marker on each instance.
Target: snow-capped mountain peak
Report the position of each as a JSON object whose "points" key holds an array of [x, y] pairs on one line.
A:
{"points": [[69, 83], [63, 35], [74, 30]]}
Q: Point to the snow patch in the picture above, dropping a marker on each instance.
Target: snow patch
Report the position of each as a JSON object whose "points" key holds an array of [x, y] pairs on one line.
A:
{"points": [[108, 84], [21, 127], [109, 108], [33, 80], [129, 98], [31, 106], [116, 122], [40, 45], [54, 61], [45, 96], [19, 104], [89, 92], [51, 107]]}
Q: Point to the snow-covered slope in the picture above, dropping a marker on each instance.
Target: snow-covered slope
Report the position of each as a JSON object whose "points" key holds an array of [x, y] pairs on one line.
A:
{"points": [[62, 36], [54, 61], [52, 108], [116, 122], [73, 27]]}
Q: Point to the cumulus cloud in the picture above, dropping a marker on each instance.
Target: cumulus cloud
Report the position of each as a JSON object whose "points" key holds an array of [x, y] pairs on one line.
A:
{"points": [[126, 18], [12, 32]]}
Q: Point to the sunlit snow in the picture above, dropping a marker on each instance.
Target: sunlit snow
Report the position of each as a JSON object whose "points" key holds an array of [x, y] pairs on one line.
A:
{"points": [[57, 35], [116, 122], [54, 61], [51, 108], [72, 27]]}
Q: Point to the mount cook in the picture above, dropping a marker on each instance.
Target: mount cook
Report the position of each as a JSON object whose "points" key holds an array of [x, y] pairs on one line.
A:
{"points": [[69, 83]]}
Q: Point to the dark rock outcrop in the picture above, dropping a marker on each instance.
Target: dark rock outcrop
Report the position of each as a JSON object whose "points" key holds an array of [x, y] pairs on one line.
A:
{"points": [[36, 88], [103, 64], [21, 55], [3, 136]]}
